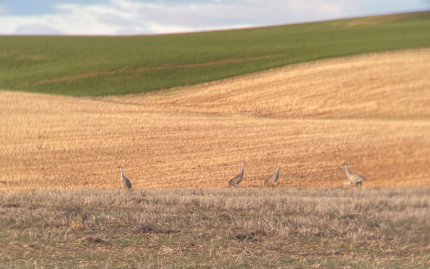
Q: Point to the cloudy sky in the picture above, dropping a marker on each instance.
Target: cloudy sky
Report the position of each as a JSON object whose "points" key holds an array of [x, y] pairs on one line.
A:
{"points": [[125, 17]]}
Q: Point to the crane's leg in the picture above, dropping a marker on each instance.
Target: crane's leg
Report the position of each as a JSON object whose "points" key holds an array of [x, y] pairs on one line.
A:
{"points": [[356, 184]]}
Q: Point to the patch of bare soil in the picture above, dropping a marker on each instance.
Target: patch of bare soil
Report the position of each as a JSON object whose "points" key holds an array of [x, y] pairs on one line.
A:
{"points": [[371, 111]]}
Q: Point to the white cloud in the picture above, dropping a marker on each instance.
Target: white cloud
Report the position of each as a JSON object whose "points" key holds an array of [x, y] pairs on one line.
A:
{"points": [[3, 10], [36, 28], [130, 17]]}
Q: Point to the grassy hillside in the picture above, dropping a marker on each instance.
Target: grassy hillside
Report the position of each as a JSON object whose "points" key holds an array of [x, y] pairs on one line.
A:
{"points": [[102, 65]]}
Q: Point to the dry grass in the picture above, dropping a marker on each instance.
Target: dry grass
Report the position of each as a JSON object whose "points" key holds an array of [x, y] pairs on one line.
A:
{"points": [[371, 111], [237, 228]]}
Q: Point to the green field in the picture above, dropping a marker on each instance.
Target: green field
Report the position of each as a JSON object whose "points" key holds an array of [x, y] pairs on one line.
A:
{"points": [[108, 65]]}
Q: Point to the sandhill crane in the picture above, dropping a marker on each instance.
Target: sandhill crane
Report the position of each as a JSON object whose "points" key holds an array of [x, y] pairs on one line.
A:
{"points": [[271, 180], [353, 178], [237, 179], [125, 182]]}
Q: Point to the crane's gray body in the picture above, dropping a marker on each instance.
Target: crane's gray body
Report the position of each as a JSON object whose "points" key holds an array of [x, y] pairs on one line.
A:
{"points": [[271, 180], [234, 182], [353, 178], [125, 182]]}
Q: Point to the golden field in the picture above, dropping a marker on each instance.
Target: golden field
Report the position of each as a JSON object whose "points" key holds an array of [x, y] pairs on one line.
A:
{"points": [[372, 111]]}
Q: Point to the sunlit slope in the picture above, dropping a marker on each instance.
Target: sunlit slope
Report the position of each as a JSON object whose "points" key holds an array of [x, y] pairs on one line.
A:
{"points": [[391, 85], [197, 136], [77, 65]]}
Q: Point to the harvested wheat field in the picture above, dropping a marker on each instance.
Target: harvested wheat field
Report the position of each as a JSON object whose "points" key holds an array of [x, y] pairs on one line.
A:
{"points": [[216, 228], [372, 111]]}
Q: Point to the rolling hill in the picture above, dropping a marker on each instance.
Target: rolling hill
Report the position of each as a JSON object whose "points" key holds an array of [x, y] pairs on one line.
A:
{"points": [[371, 111], [112, 65]]}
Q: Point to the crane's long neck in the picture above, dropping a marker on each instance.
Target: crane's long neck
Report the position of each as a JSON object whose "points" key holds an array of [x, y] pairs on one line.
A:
{"points": [[347, 171], [279, 166], [242, 168], [122, 174]]}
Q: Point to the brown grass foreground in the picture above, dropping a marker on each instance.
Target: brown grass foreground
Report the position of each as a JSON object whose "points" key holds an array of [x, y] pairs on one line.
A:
{"points": [[237, 228], [371, 111]]}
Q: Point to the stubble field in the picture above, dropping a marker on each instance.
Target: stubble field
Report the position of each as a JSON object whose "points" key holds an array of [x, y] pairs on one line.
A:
{"points": [[371, 111], [61, 206], [206, 228]]}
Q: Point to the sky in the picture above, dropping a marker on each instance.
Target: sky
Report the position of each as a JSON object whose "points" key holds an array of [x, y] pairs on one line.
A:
{"points": [[134, 17]]}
